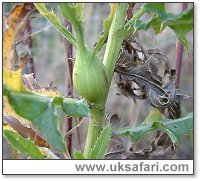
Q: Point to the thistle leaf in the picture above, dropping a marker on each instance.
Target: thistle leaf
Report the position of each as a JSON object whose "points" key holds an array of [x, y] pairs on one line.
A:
{"points": [[52, 18], [23, 145], [174, 128], [101, 145]]}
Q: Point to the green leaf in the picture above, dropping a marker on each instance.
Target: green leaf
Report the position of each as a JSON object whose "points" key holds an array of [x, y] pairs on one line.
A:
{"points": [[181, 23], [106, 28], [101, 145], [158, 8], [52, 18], [179, 127], [41, 112], [149, 124], [156, 24], [5, 90], [25, 146], [139, 25], [76, 108], [78, 155], [174, 128], [154, 116], [74, 13]]}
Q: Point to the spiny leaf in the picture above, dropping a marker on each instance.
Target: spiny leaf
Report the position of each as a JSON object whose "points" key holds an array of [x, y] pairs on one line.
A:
{"points": [[158, 8], [78, 155], [79, 11], [74, 13], [179, 127], [149, 124], [23, 145], [185, 20], [52, 18], [174, 128], [41, 112], [101, 145], [154, 23], [75, 108], [180, 23]]}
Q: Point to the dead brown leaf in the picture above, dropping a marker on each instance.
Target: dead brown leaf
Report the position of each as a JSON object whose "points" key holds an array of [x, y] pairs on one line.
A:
{"points": [[16, 24], [31, 83], [24, 131]]}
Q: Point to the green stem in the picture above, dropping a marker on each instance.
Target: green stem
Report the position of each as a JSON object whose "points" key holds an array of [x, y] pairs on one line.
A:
{"points": [[114, 40], [69, 12], [136, 16], [110, 58], [107, 23], [96, 117], [80, 41], [128, 31]]}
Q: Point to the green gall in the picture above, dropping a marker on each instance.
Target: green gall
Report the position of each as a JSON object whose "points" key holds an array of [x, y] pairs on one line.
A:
{"points": [[90, 77]]}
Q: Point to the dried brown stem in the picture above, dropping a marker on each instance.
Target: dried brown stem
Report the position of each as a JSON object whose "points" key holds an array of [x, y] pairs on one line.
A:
{"points": [[29, 42], [68, 81]]}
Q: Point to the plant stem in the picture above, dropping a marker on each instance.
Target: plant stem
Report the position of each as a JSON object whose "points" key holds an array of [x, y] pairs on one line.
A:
{"points": [[114, 40], [110, 58], [96, 117], [68, 81], [179, 54], [125, 33], [70, 14], [80, 40], [136, 16], [29, 42]]}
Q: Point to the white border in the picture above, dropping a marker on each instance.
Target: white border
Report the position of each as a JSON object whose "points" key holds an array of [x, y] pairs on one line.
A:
{"points": [[119, 166], [197, 104]]}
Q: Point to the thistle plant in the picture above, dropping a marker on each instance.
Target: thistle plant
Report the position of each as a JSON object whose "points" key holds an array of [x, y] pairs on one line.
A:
{"points": [[92, 77]]}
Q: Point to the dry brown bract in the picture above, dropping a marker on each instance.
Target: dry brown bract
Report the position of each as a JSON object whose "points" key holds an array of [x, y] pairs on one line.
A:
{"points": [[148, 74]]}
